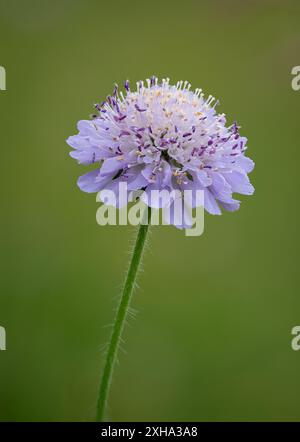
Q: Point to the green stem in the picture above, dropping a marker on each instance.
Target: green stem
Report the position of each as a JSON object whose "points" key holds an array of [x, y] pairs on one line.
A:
{"points": [[120, 318]]}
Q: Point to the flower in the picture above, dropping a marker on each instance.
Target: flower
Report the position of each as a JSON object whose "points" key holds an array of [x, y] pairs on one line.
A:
{"points": [[162, 136]]}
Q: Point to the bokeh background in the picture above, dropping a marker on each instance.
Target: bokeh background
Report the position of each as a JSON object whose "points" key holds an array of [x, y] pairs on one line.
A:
{"points": [[212, 337]]}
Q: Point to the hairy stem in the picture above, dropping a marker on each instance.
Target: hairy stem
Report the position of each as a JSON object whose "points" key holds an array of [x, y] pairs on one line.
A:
{"points": [[120, 319]]}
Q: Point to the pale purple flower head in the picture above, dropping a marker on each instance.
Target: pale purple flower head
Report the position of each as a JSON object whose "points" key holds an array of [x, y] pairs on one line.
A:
{"points": [[161, 136]]}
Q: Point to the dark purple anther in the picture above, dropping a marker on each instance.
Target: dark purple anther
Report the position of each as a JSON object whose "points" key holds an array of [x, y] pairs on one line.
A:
{"points": [[235, 127], [93, 157], [176, 129], [124, 132], [235, 146], [126, 85], [120, 118], [210, 142], [193, 129], [152, 80], [163, 143], [187, 134], [98, 107], [139, 109], [150, 129], [115, 92]]}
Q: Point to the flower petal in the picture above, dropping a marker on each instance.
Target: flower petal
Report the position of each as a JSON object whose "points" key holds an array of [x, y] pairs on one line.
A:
{"points": [[88, 182], [239, 182], [210, 203]]}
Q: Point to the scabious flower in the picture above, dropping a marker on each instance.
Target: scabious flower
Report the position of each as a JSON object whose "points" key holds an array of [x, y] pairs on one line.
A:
{"points": [[163, 136], [159, 137]]}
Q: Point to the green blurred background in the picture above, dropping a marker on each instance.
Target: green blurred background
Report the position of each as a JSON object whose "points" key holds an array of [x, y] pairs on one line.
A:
{"points": [[212, 337]]}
